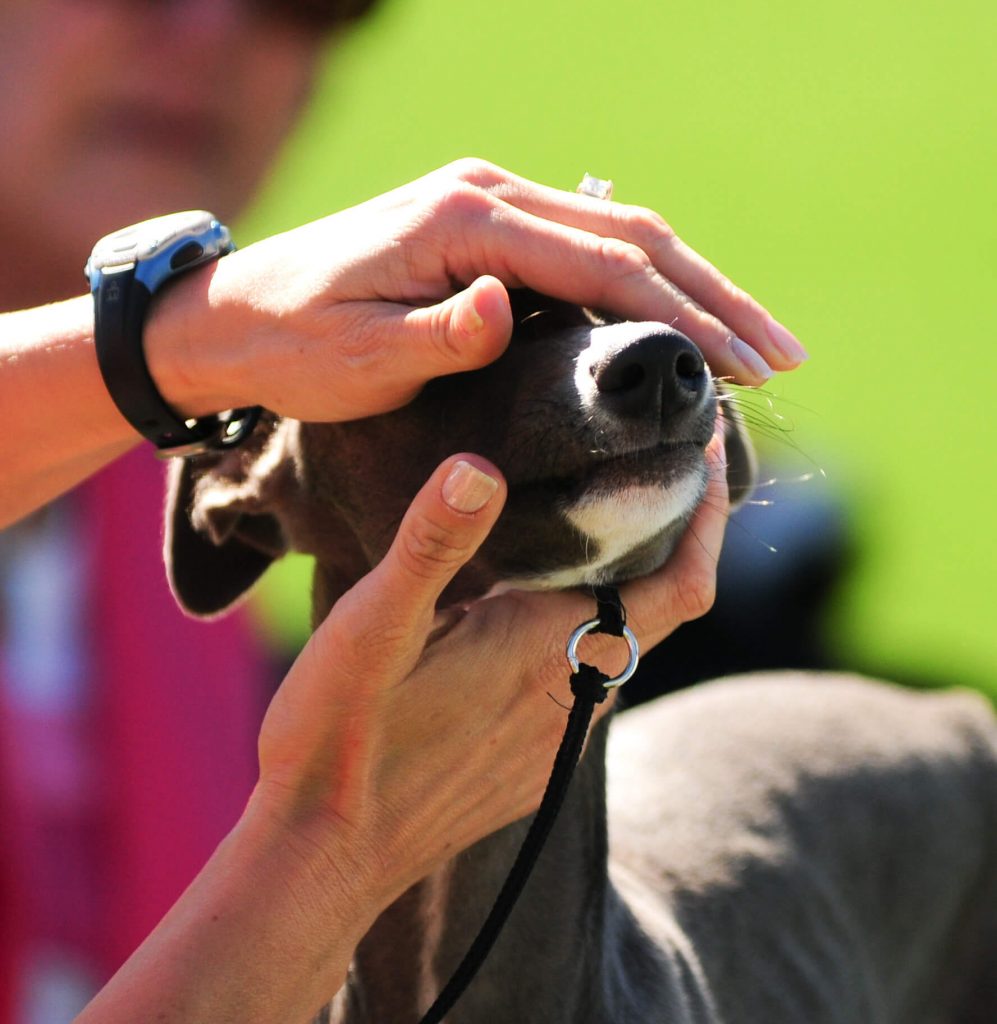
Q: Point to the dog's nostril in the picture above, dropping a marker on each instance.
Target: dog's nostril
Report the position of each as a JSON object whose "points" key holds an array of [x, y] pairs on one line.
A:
{"points": [[689, 367], [660, 371], [619, 375]]}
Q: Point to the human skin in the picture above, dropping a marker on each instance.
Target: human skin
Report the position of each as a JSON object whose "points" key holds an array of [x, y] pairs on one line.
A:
{"points": [[349, 810], [112, 111]]}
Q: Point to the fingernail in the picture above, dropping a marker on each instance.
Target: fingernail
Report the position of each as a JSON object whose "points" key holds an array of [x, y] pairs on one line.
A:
{"points": [[750, 359], [467, 489], [786, 342], [468, 317]]}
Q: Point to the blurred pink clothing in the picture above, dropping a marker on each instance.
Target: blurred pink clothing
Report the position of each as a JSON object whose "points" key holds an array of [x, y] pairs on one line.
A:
{"points": [[180, 704], [148, 764]]}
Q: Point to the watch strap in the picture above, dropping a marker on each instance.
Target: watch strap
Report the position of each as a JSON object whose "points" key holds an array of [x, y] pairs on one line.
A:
{"points": [[119, 316], [121, 303]]}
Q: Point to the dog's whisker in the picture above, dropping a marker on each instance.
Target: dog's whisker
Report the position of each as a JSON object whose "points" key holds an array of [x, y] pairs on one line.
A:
{"points": [[692, 530], [774, 481], [770, 397], [738, 524], [760, 422], [588, 550]]}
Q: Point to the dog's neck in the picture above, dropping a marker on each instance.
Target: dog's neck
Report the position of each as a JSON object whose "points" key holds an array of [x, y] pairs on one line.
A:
{"points": [[557, 929]]}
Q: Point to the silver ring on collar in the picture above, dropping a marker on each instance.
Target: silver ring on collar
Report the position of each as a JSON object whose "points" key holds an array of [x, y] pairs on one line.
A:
{"points": [[587, 627]]}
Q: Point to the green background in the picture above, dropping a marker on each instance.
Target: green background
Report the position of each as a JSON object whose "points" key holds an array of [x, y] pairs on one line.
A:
{"points": [[838, 162]]}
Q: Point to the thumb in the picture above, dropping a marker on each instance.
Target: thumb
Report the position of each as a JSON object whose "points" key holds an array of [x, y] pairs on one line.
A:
{"points": [[442, 529], [412, 344], [385, 619], [326, 715], [464, 331], [387, 351]]}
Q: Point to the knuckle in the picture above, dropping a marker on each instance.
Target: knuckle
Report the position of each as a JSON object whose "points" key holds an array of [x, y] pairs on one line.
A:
{"points": [[429, 550], [445, 338], [723, 286], [373, 644], [649, 229], [360, 344], [682, 597], [460, 200], [623, 259], [341, 654], [475, 171], [440, 326], [738, 297], [381, 642]]}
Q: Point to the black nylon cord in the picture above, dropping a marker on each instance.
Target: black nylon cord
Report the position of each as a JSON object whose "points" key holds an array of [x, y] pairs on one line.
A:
{"points": [[610, 612], [587, 684]]}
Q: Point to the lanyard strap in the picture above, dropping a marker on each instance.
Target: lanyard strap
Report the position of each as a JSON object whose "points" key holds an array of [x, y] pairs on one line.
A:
{"points": [[590, 687]]}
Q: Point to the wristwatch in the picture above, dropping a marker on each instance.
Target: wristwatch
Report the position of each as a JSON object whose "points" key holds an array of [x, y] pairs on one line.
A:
{"points": [[125, 270]]}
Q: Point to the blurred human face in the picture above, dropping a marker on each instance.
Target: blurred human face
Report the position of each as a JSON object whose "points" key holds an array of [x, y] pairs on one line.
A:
{"points": [[112, 111]]}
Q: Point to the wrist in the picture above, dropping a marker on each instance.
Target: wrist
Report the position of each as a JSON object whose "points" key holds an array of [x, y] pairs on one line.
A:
{"points": [[258, 885], [321, 860], [191, 357], [303, 883]]}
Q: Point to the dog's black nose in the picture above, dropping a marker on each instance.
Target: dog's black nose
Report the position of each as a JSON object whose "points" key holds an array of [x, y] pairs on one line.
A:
{"points": [[659, 375]]}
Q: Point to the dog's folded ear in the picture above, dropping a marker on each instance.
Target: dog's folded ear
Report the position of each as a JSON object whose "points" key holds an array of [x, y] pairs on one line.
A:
{"points": [[742, 466], [221, 530]]}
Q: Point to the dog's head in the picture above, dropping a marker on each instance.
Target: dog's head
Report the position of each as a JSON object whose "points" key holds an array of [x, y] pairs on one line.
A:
{"points": [[600, 428]]}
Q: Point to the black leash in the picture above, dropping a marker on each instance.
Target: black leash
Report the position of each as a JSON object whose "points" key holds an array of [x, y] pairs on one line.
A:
{"points": [[590, 687]]}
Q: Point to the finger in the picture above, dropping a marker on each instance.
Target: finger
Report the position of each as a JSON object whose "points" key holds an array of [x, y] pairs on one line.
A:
{"points": [[527, 632], [701, 296], [379, 628], [684, 588], [693, 275], [523, 636], [592, 270], [715, 292]]}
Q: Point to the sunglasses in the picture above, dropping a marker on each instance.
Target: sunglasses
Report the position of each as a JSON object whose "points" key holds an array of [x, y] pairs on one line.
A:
{"points": [[321, 14], [317, 14]]}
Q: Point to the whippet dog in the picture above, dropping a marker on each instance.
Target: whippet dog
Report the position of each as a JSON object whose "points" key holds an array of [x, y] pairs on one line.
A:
{"points": [[778, 849]]}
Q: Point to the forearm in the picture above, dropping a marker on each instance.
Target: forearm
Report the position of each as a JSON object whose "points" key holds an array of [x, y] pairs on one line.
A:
{"points": [[60, 424], [265, 933]]}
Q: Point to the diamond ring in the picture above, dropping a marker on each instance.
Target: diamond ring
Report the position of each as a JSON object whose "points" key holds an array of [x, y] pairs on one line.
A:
{"points": [[597, 188]]}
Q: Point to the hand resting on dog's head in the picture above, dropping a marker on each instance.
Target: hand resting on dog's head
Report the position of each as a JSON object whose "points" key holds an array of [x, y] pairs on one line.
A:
{"points": [[600, 428]]}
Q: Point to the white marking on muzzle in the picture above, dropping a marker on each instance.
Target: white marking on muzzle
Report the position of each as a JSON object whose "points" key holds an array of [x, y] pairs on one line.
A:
{"points": [[621, 521], [616, 523]]}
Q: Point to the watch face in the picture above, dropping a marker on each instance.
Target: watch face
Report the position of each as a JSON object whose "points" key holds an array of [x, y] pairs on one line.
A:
{"points": [[160, 247]]}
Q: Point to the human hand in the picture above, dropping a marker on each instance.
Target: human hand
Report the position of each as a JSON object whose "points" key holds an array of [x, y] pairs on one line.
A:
{"points": [[397, 739], [350, 315], [401, 736]]}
